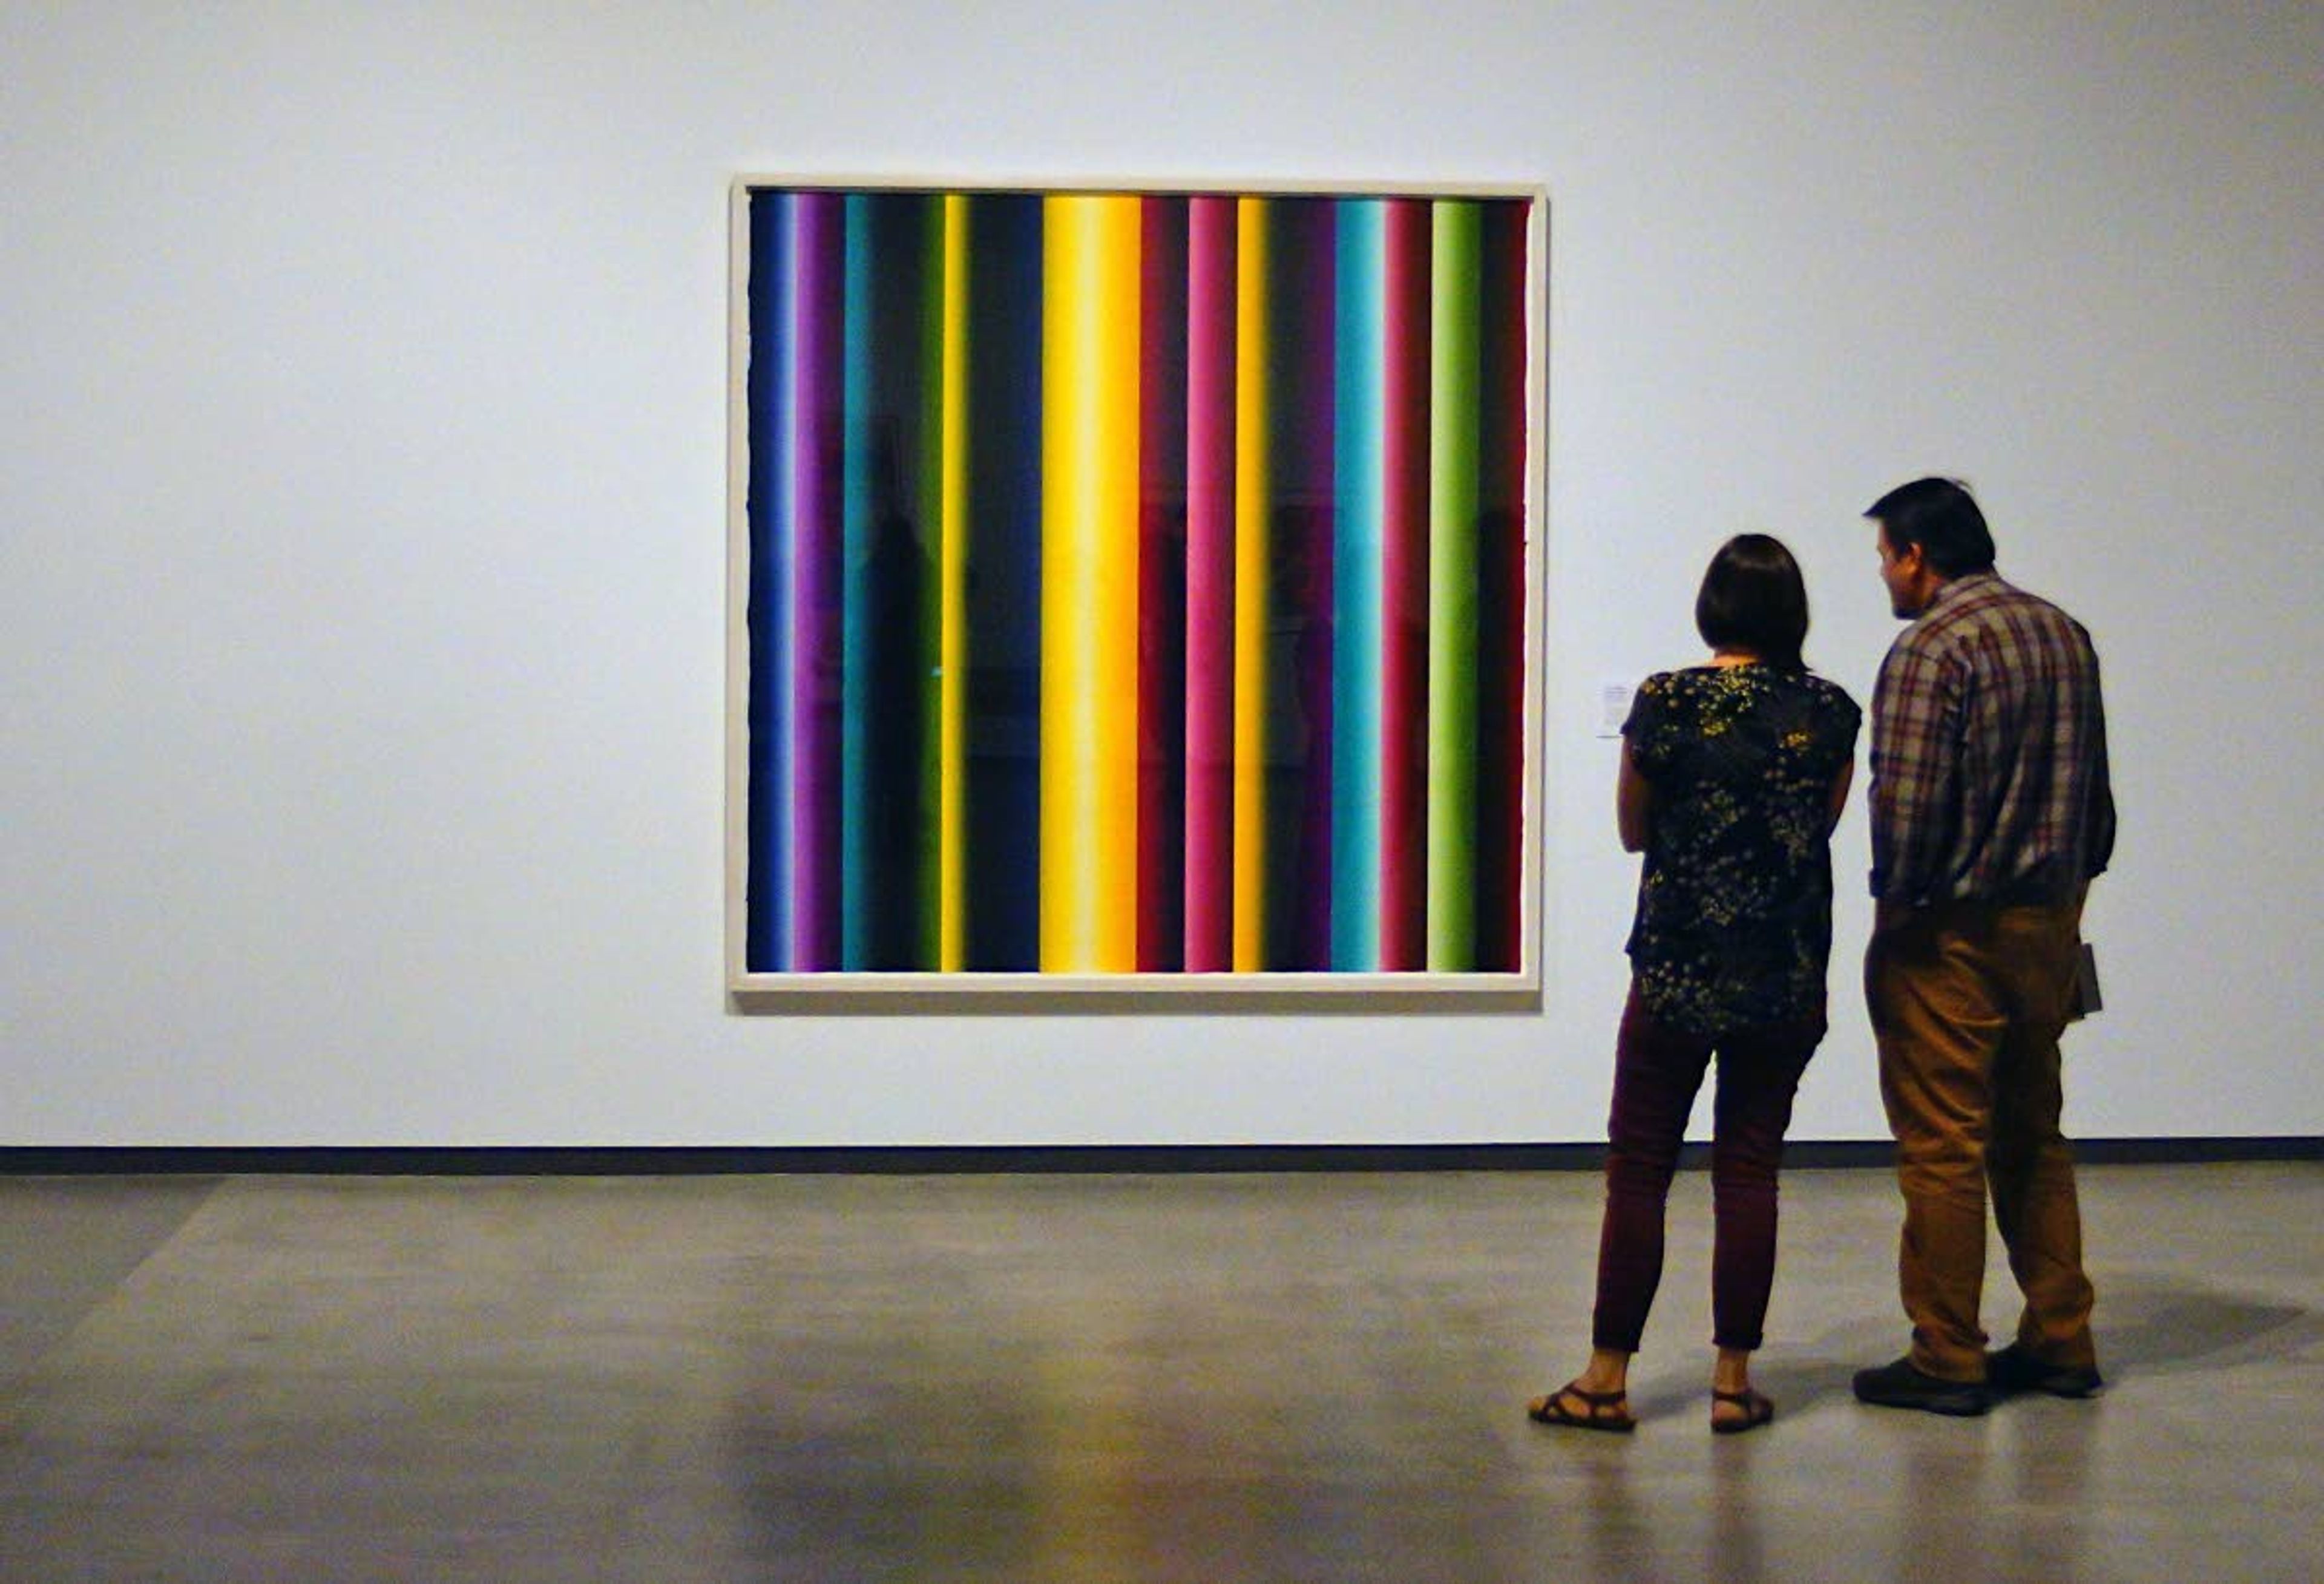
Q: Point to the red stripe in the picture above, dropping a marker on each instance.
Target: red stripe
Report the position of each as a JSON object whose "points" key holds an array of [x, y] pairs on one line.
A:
{"points": [[1404, 714], [1210, 584], [1161, 589], [1500, 781]]}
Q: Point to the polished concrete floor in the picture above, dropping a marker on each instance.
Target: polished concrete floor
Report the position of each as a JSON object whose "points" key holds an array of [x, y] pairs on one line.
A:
{"points": [[1298, 1376]]}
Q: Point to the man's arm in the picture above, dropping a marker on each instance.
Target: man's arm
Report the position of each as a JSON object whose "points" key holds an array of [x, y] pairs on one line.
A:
{"points": [[1916, 754], [2101, 846]]}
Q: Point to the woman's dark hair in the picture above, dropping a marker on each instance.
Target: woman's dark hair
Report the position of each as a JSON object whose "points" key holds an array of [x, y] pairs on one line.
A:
{"points": [[1753, 598], [1942, 517]]}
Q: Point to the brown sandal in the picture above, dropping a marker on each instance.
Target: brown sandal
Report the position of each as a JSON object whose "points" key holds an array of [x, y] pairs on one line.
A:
{"points": [[1757, 1411], [1607, 1411]]}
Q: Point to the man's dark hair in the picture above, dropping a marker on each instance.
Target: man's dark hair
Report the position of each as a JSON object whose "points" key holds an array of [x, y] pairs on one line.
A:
{"points": [[1753, 598], [1940, 516]]}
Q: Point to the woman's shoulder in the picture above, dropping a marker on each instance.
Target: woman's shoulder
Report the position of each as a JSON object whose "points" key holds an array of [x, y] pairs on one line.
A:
{"points": [[1663, 709], [1683, 680], [1829, 694], [1676, 696]]}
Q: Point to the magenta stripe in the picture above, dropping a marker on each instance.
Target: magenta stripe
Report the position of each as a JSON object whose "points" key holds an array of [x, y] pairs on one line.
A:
{"points": [[1210, 584], [815, 643], [1403, 709]]}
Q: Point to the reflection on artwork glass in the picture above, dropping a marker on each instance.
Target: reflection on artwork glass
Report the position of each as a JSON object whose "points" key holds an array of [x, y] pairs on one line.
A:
{"points": [[1136, 583]]}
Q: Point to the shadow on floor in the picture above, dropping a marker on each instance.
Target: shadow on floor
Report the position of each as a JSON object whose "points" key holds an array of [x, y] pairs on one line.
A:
{"points": [[2146, 1325], [2157, 1326]]}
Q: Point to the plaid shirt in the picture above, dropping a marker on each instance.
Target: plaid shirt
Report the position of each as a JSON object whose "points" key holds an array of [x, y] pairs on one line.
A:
{"points": [[1989, 752]]}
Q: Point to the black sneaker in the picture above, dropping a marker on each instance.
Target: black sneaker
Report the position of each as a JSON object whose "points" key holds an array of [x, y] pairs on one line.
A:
{"points": [[2013, 1369], [1900, 1385]]}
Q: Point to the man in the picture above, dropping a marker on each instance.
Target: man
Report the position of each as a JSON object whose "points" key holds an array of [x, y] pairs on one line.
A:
{"points": [[1991, 813]]}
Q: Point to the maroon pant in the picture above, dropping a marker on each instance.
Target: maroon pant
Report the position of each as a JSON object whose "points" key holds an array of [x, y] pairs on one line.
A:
{"points": [[1657, 1072]]}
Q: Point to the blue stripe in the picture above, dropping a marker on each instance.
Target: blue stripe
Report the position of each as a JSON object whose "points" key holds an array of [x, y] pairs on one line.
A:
{"points": [[1359, 451]]}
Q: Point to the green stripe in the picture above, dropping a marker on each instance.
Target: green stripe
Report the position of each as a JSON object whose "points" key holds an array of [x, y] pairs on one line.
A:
{"points": [[1452, 536]]}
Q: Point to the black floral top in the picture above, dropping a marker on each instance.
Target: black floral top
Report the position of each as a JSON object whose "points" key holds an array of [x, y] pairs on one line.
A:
{"points": [[1734, 921]]}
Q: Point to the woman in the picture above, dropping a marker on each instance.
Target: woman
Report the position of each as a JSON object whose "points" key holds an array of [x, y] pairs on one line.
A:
{"points": [[1733, 774]]}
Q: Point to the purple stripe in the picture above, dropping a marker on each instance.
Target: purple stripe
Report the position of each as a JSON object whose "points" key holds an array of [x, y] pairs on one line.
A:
{"points": [[815, 387], [1306, 394]]}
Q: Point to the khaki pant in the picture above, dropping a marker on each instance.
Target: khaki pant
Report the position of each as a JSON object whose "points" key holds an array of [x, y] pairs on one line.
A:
{"points": [[1968, 1000]]}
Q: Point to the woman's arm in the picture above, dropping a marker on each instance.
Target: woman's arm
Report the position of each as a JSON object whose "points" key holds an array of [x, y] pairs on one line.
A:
{"points": [[1634, 800], [1840, 785]]}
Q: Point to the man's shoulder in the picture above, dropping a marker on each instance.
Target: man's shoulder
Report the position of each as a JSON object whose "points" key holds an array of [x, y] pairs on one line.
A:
{"points": [[1972, 607]]}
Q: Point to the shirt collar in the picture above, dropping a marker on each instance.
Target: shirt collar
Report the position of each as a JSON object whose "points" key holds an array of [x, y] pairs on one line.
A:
{"points": [[1961, 587]]}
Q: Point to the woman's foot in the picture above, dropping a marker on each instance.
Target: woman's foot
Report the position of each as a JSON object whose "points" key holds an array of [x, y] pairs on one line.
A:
{"points": [[1733, 1412], [1578, 1409]]}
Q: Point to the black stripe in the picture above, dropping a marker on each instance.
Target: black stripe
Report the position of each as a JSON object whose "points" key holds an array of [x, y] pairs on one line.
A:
{"points": [[592, 1160]]}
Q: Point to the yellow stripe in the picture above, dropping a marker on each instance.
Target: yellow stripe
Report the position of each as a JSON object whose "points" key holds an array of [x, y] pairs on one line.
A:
{"points": [[1251, 465], [952, 686], [1119, 324], [1089, 584]]}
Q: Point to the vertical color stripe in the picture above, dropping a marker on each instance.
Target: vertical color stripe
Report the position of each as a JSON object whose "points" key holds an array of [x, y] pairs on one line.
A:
{"points": [[920, 935], [885, 661], [1212, 396], [767, 886], [1360, 480], [951, 776], [1253, 490], [1501, 592], [1404, 555], [858, 413], [1299, 512], [816, 496], [1089, 460], [1161, 681], [1005, 622], [1453, 591]]}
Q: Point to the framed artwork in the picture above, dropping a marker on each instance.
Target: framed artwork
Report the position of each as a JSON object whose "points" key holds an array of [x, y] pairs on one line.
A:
{"points": [[1135, 589]]}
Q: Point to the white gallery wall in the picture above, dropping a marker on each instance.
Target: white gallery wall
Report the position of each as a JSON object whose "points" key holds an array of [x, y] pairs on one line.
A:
{"points": [[362, 521]]}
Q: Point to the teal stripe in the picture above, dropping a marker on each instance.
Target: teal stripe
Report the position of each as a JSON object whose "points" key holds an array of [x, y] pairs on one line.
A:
{"points": [[1358, 448], [1454, 390], [887, 401], [928, 845]]}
